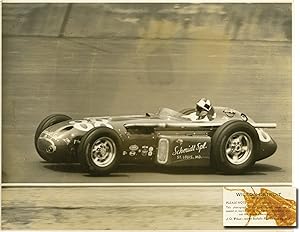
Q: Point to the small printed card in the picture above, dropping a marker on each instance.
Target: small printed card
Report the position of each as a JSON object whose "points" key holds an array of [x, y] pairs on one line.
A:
{"points": [[259, 206]]}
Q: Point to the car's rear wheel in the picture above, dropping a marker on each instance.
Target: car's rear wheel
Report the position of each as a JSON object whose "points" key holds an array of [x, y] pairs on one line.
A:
{"points": [[98, 151], [45, 123], [234, 146]]}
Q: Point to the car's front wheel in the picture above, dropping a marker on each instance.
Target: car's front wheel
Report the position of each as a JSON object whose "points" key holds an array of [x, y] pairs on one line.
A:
{"points": [[98, 151], [234, 146]]}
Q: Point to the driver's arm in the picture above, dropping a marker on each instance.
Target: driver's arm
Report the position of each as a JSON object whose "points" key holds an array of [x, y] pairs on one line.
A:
{"points": [[193, 116]]}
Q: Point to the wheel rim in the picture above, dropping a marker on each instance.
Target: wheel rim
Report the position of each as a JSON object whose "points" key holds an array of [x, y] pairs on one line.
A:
{"points": [[238, 148], [103, 151]]}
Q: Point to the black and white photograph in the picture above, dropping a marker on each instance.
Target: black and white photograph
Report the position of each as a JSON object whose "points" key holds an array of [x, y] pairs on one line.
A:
{"points": [[105, 105], [140, 92]]}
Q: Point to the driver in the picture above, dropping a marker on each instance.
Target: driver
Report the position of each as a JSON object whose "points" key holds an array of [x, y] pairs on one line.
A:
{"points": [[204, 111]]}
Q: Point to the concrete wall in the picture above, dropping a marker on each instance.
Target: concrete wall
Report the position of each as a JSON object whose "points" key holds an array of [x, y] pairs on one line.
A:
{"points": [[33, 19], [271, 22]]}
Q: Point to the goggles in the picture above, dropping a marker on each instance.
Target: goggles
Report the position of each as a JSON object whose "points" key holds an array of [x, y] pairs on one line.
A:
{"points": [[206, 107]]}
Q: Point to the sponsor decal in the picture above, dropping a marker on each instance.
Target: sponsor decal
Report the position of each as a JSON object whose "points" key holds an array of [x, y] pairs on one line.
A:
{"points": [[144, 150], [134, 147], [132, 153], [179, 150], [150, 153], [67, 141], [182, 153]]}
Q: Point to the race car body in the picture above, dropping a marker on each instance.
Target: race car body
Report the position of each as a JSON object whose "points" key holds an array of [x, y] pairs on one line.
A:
{"points": [[231, 142]]}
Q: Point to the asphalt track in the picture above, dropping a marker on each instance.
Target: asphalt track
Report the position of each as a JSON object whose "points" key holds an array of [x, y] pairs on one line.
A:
{"points": [[118, 208], [112, 208], [92, 77]]}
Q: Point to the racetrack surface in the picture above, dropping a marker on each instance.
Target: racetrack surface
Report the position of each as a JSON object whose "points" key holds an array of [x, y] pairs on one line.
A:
{"points": [[95, 77], [114, 208]]}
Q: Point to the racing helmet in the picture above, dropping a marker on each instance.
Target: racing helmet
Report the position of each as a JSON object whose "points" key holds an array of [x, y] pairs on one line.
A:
{"points": [[203, 105]]}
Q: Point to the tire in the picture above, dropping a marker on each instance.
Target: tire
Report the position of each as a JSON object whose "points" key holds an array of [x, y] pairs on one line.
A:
{"points": [[47, 122], [234, 147], [94, 160], [187, 111]]}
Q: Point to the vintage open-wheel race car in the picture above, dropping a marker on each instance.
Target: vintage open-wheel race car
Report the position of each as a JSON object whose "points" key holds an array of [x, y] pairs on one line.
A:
{"points": [[231, 142]]}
